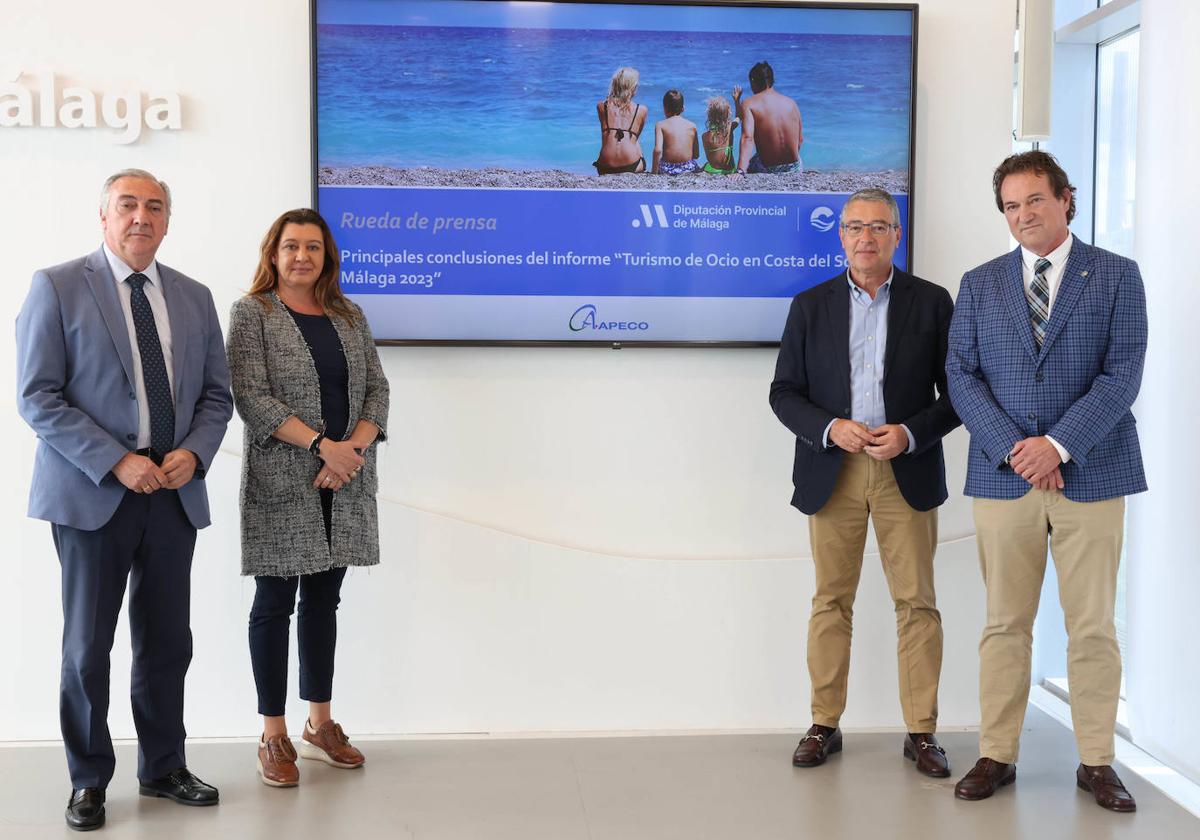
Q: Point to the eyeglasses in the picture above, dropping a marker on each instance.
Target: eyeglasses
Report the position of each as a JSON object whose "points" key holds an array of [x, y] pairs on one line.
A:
{"points": [[876, 228]]}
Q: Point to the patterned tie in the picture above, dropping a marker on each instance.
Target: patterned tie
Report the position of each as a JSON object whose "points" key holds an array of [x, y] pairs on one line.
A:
{"points": [[154, 369], [1038, 295]]}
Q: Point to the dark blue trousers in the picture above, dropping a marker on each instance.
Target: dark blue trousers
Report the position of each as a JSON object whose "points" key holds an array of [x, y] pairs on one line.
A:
{"points": [[149, 542], [316, 635]]}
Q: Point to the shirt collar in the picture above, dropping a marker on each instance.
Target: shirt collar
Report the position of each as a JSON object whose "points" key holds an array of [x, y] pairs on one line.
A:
{"points": [[121, 270], [1057, 257], [857, 290]]}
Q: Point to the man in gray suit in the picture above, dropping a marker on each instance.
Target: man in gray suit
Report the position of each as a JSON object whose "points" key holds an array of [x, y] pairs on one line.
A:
{"points": [[121, 372]]}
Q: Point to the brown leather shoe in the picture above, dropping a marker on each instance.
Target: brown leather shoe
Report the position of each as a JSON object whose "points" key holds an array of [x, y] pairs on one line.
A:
{"points": [[985, 778], [924, 749], [277, 762], [1103, 783], [817, 745], [329, 744]]}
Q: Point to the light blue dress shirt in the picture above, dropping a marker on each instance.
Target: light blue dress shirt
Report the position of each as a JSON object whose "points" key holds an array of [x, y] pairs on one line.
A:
{"points": [[868, 342]]}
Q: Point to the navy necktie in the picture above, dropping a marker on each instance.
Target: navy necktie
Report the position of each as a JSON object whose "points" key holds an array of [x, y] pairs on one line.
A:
{"points": [[1038, 295], [154, 370]]}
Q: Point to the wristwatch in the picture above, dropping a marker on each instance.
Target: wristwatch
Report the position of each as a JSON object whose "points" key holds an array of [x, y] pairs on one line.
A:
{"points": [[315, 446]]}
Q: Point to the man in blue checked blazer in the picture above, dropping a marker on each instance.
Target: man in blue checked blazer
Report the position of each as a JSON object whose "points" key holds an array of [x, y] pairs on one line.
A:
{"points": [[1045, 358], [121, 372]]}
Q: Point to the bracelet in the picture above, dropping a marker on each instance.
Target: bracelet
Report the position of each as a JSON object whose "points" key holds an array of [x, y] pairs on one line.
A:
{"points": [[315, 446]]}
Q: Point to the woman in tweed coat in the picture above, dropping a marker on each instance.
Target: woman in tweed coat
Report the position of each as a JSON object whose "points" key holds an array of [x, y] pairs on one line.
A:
{"points": [[309, 387]]}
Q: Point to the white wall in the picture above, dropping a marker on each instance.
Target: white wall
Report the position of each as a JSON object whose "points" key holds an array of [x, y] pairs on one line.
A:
{"points": [[574, 539], [1164, 538]]}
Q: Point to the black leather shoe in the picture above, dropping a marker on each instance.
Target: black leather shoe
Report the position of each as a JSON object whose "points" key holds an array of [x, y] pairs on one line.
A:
{"points": [[182, 787], [924, 749], [85, 809], [817, 745]]}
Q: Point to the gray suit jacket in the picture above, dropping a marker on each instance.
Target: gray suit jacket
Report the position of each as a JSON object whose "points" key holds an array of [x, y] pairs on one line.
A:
{"points": [[75, 388], [274, 378]]}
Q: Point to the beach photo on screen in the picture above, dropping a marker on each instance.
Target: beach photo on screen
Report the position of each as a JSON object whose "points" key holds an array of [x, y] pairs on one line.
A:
{"points": [[611, 96]]}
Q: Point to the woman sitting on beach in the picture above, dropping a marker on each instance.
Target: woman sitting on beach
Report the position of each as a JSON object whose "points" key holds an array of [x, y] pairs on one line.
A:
{"points": [[621, 122], [718, 140]]}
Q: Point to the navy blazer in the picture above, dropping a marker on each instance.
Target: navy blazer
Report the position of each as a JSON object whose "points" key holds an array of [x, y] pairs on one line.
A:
{"points": [[812, 385], [75, 388], [1078, 388]]}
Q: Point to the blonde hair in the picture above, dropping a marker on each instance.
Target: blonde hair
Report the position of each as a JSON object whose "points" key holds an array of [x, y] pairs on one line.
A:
{"points": [[624, 83], [719, 115]]}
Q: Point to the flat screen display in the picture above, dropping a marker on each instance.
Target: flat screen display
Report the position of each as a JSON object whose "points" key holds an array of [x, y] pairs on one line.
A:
{"points": [[596, 172]]}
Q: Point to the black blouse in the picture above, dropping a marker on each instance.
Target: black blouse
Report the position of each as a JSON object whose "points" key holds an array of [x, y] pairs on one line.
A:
{"points": [[330, 360]]}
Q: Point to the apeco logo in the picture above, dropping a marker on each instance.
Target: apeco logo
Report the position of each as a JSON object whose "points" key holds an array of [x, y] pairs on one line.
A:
{"points": [[584, 318]]}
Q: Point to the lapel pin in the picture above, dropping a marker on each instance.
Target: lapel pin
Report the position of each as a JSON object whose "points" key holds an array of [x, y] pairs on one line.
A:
{"points": [[1083, 274]]}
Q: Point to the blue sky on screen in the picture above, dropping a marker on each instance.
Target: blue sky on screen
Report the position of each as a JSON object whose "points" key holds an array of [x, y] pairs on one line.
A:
{"points": [[546, 15]]}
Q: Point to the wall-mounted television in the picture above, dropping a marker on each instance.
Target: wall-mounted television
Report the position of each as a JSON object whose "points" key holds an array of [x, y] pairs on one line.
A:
{"points": [[571, 172]]}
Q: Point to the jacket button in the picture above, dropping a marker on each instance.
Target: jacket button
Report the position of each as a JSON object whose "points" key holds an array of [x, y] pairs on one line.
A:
{"points": [[132, 395], [1039, 377], [130, 437], [1031, 416]]}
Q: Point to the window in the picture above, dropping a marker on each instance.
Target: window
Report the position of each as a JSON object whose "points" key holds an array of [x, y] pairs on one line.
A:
{"points": [[1116, 142], [1112, 222]]}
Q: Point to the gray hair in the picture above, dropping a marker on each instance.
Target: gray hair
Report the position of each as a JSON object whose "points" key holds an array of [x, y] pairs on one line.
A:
{"points": [[132, 173], [873, 194]]}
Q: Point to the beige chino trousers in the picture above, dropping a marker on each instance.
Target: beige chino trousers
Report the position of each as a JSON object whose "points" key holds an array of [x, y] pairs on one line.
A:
{"points": [[907, 538], [1085, 541]]}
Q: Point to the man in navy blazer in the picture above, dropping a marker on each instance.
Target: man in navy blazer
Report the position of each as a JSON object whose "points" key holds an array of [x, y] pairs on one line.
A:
{"points": [[121, 372], [1046, 353], [860, 381]]}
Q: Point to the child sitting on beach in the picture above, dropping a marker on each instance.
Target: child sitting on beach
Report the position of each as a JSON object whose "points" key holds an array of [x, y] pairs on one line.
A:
{"points": [[676, 140], [718, 139]]}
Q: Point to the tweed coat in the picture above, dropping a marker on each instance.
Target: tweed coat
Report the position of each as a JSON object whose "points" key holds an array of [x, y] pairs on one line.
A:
{"points": [[1078, 388], [273, 378]]}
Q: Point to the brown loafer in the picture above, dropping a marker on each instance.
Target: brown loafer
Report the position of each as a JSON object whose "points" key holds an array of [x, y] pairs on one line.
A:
{"points": [[1103, 783], [817, 745], [985, 778], [277, 762], [330, 745], [928, 754]]}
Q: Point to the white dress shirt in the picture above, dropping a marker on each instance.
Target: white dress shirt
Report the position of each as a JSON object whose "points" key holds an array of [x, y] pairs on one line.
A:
{"points": [[158, 306], [1058, 264]]}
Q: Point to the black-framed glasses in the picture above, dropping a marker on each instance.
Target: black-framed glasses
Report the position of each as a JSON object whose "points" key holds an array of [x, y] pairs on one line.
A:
{"points": [[876, 228]]}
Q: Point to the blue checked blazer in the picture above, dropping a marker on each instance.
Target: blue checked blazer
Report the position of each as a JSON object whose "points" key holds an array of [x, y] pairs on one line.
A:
{"points": [[1078, 389]]}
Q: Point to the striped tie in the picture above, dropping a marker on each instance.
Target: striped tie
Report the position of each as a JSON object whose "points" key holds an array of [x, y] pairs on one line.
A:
{"points": [[1038, 295]]}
